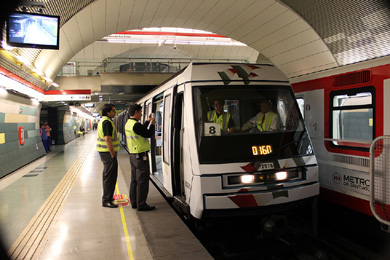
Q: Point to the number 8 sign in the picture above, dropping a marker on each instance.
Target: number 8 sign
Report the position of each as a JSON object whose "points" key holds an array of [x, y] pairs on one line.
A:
{"points": [[212, 129]]}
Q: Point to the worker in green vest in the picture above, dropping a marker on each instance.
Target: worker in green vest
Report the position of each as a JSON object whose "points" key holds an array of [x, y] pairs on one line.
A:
{"points": [[107, 145], [266, 120], [221, 117], [137, 135]]}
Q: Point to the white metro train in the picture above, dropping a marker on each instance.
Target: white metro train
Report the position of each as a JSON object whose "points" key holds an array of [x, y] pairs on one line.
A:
{"points": [[212, 172]]}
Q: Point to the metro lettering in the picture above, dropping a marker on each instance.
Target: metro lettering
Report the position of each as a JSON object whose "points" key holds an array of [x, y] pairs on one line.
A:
{"points": [[356, 180]]}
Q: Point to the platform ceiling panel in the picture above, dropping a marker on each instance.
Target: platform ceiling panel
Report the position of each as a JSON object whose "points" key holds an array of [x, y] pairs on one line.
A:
{"points": [[125, 9], [73, 36], [84, 22], [351, 29], [320, 61], [271, 28], [175, 9], [112, 15], [287, 43], [310, 49], [248, 20], [98, 10], [136, 13], [148, 14], [207, 13]]}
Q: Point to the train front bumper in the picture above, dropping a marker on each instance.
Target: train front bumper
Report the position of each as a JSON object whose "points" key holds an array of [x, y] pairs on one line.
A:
{"points": [[260, 198]]}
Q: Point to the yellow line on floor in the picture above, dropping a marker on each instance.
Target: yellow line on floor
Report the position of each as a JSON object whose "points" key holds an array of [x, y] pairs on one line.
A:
{"points": [[125, 230]]}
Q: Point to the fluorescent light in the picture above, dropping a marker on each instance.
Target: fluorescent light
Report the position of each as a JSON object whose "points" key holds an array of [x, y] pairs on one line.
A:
{"points": [[165, 36], [37, 71], [16, 86], [3, 91], [35, 101], [6, 46], [23, 60], [55, 84], [48, 79]]}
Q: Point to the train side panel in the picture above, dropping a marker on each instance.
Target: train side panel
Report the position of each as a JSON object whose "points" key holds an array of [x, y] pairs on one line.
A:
{"points": [[349, 116]]}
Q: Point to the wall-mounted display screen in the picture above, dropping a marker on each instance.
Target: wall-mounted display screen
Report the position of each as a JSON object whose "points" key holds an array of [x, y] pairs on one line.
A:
{"points": [[28, 30]]}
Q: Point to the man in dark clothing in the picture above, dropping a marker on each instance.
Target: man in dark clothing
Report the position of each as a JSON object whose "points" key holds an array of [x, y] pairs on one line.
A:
{"points": [[107, 144], [137, 135]]}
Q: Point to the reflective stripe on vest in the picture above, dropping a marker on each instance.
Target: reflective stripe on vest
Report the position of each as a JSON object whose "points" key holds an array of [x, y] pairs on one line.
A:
{"points": [[135, 142], [47, 129], [223, 120], [265, 126], [101, 145]]}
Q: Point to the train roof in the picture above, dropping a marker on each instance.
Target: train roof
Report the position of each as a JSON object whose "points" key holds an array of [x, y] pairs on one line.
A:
{"points": [[225, 73], [234, 72]]}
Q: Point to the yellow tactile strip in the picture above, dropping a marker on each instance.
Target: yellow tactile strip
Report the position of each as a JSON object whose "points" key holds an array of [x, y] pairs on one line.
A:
{"points": [[29, 243]]}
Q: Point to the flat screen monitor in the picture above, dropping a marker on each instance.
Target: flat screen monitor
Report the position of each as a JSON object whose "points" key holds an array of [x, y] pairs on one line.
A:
{"points": [[28, 30]]}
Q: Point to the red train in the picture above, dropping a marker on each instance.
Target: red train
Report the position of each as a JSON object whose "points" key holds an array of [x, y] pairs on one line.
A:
{"points": [[345, 109]]}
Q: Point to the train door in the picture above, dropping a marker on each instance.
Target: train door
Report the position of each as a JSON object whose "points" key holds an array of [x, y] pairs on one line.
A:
{"points": [[177, 144], [158, 106], [147, 112], [166, 140]]}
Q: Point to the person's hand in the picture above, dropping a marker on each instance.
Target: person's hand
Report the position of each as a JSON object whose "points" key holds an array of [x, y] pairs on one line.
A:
{"points": [[152, 119]]}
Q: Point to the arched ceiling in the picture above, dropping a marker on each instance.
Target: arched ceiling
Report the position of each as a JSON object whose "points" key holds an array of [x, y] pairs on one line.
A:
{"points": [[297, 36]]}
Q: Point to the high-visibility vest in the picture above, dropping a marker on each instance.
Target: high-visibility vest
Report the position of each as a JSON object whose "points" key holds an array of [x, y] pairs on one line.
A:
{"points": [[264, 125], [135, 142], [101, 145], [223, 119], [47, 129]]}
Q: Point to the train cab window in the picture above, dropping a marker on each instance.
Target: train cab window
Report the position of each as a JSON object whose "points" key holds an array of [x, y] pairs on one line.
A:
{"points": [[229, 122], [352, 117]]}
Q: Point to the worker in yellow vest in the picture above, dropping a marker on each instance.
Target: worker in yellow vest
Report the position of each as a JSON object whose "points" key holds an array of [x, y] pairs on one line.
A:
{"points": [[266, 120], [137, 135], [221, 117], [107, 145]]}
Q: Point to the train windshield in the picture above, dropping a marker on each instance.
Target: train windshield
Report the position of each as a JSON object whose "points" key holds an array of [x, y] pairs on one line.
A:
{"points": [[248, 123]]}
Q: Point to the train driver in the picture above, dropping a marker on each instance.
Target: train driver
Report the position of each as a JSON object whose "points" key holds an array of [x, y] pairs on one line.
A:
{"points": [[266, 120], [221, 117]]}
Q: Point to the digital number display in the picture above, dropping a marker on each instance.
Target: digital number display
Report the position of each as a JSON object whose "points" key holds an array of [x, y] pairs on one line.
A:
{"points": [[261, 149]]}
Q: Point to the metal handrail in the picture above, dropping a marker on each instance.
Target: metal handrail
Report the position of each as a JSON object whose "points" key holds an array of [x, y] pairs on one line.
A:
{"points": [[386, 201]]}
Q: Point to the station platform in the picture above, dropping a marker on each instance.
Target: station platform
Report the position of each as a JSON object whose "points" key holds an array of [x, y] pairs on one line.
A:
{"points": [[51, 209]]}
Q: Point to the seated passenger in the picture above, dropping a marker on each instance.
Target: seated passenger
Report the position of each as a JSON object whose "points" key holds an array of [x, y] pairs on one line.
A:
{"points": [[266, 120], [221, 117]]}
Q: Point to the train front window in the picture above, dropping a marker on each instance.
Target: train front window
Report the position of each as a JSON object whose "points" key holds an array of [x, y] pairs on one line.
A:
{"points": [[241, 123]]}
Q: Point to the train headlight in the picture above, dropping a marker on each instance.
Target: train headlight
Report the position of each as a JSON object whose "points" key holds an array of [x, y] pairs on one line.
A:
{"points": [[281, 175], [262, 178], [247, 179]]}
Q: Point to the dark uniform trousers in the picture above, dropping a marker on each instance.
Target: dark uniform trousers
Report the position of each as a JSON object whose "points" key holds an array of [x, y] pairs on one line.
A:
{"points": [[139, 186], [110, 174]]}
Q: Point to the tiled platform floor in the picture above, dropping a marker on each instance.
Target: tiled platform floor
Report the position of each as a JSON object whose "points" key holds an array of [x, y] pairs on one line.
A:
{"points": [[51, 209]]}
